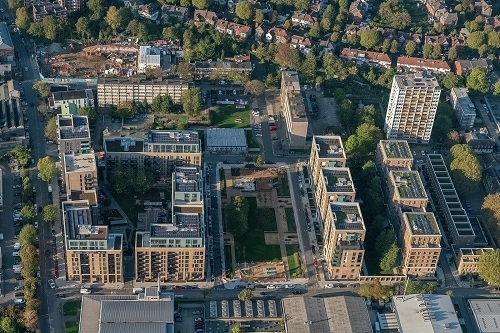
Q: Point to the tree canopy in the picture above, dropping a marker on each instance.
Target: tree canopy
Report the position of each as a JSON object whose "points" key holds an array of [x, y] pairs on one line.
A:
{"points": [[27, 235], [478, 80], [47, 169], [375, 291], [51, 130], [244, 10], [50, 213], [255, 87], [370, 38], [127, 180], [21, 155], [27, 213], [191, 101], [389, 258], [43, 88], [245, 295], [488, 267], [465, 169], [236, 216], [162, 104], [490, 212], [364, 141]]}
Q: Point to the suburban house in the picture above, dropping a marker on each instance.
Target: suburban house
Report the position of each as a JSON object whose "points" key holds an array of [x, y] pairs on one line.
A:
{"points": [[463, 67], [173, 12], [357, 11], [443, 40], [277, 35], [325, 46], [360, 57], [303, 19], [302, 43], [422, 64], [205, 16], [260, 32], [494, 22], [405, 37], [480, 143], [458, 41], [231, 28], [437, 9], [149, 11], [483, 8]]}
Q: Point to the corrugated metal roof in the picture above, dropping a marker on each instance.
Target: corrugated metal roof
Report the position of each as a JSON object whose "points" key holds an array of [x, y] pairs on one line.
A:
{"points": [[133, 327], [128, 311]]}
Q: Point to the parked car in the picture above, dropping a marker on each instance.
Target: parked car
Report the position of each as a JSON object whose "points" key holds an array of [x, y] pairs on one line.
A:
{"points": [[19, 301], [51, 284]]}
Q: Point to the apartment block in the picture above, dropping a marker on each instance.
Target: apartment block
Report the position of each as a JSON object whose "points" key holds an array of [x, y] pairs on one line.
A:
{"points": [[149, 57], [463, 106], [326, 151], [93, 254], [293, 110], [343, 236], [158, 152], [73, 135], [333, 185], [420, 238], [80, 177], [113, 91], [204, 69], [80, 98], [412, 107], [406, 189], [71, 5], [394, 154], [467, 259], [174, 249], [457, 220]]}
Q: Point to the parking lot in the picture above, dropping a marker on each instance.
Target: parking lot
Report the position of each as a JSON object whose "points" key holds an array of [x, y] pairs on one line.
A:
{"points": [[189, 318]]}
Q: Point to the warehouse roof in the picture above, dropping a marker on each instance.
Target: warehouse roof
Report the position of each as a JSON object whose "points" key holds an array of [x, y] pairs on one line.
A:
{"points": [[226, 137]]}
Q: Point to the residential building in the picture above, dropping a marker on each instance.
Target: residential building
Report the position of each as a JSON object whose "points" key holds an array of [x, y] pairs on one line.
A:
{"points": [[394, 154], [5, 69], [412, 107], [149, 11], [482, 7], [150, 311], [325, 46], [361, 57], [158, 152], [405, 37], [6, 44], [357, 11], [93, 254], [457, 220], [113, 91], [467, 259], [431, 313], [205, 16], [80, 98], [11, 117], [203, 69], [406, 189], [174, 250], [277, 35], [481, 143], [346, 314], [421, 239], [343, 235], [260, 32], [240, 31], [80, 177], [493, 22], [149, 57], [442, 40], [293, 110], [464, 67], [71, 5], [486, 314], [413, 64], [464, 108], [491, 180], [303, 44], [438, 10], [303, 19], [333, 185], [42, 10], [326, 151], [73, 135], [169, 13]]}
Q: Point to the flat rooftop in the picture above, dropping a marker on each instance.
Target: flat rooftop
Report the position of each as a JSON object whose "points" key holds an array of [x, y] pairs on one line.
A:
{"points": [[139, 141], [416, 80], [408, 184], [73, 127], [291, 80], [185, 226], [396, 149], [474, 251], [329, 146], [347, 216], [486, 313], [338, 179], [463, 99], [176, 137], [422, 223], [187, 180], [429, 313], [81, 162], [142, 80]]}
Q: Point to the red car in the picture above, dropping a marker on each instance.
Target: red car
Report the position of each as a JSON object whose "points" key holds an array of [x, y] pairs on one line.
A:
{"points": [[273, 128]]}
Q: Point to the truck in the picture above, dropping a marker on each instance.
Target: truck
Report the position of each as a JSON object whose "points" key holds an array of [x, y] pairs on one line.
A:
{"points": [[50, 188]]}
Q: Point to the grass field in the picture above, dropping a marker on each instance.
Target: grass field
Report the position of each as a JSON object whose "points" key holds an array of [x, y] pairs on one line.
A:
{"points": [[293, 261], [290, 219], [71, 308], [250, 141], [71, 327], [228, 116], [283, 190]]}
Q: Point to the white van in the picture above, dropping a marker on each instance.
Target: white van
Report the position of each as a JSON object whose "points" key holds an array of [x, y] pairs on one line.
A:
{"points": [[85, 291], [137, 290], [17, 246]]}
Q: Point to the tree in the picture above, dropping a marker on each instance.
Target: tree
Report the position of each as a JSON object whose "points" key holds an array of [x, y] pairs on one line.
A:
{"points": [[43, 108], [478, 80], [490, 212], [143, 182], [27, 235], [287, 56], [259, 16], [237, 328], [244, 10], [201, 4], [191, 101], [450, 80], [394, 47], [384, 241], [98, 8], [386, 45], [27, 213], [22, 18], [9, 325], [29, 319], [50, 213], [449, 293], [476, 39], [465, 169], [126, 109], [184, 70], [375, 291], [496, 89], [370, 38], [315, 31], [162, 104], [427, 50], [388, 260], [113, 18], [245, 295], [47, 169], [436, 51], [51, 130], [364, 140], [236, 216], [50, 27], [255, 87], [43, 88], [309, 64], [15, 4], [452, 53], [82, 27], [259, 161], [22, 155]]}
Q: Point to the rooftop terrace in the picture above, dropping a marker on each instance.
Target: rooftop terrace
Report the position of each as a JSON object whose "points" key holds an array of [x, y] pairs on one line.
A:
{"points": [[329, 146], [187, 180], [422, 223], [138, 141], [396, 149], [408, 184], [338, 179], [73, 127], [347, 216], [185, 226], [81, 162]]}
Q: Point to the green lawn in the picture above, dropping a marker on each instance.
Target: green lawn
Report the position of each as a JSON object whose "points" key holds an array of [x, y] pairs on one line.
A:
{"points": [[71, 308], [283, 189], [294, 261], [250, 141], [228, 116], [127, 203], [290, 219], [71, 327]]}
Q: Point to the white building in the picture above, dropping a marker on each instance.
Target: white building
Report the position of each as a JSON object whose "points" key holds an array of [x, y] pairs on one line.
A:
{"points": [[463, 106], [412, 107], [80, 98], [149, 57]]}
